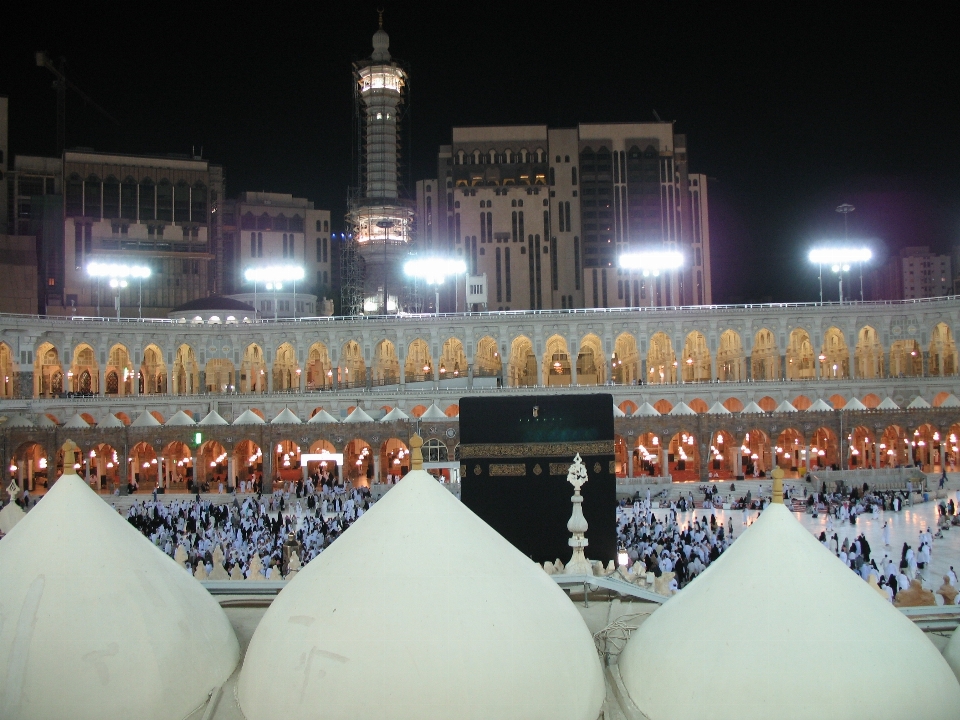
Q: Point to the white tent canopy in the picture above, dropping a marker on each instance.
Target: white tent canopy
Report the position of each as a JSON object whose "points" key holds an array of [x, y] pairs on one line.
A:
{"points": [[248, 417], [110, 421], [681, 408], [820, 406], [434, 413], [394, 415], [146, 419], [358, 416], [646, 410], [76, 422], [322, 417], [180, 418], [286, 417], [213, 418]]}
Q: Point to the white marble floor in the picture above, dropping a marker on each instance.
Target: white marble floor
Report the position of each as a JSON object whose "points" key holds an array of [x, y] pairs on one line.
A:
{"points": [[906, 526]]}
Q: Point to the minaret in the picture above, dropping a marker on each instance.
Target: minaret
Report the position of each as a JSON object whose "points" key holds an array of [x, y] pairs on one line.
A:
{"points": [[380, 217]]}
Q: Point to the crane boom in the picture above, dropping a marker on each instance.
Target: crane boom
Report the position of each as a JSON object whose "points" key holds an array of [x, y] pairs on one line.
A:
{"points": [[60, 84]]}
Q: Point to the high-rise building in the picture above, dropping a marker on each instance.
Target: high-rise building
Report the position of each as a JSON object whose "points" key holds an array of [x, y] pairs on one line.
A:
{"points": [[915, 272], [380, 216], [546, 213], [925, 274], [261, 228], [159, 212]]}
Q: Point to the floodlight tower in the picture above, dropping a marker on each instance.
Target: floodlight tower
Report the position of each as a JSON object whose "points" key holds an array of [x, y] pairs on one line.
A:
{"points": [[381, 219]]}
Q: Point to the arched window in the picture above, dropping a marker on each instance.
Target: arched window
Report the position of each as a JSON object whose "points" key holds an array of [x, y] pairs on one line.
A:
{"points": [[573, 175], [434, 451]]}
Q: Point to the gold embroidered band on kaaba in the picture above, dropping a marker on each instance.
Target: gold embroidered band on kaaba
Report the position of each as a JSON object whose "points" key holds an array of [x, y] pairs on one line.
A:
{"points": [[535, 450]]}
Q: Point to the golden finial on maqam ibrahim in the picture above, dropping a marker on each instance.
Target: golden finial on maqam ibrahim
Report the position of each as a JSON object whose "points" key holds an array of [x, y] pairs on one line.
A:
{"points": [[416, 457], [777, 475], [69, 457]]}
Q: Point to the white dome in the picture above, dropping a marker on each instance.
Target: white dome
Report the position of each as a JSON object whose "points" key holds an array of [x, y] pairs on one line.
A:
{"points": [[951, 653], [114, 628], [778, 610], [419, 611]]}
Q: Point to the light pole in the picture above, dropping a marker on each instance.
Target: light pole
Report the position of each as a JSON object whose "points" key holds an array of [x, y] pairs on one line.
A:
{"points": [[117, 275], [839, 259], [274, 276], [433, 271], [845, 210], [118, 285], [651, 262]]}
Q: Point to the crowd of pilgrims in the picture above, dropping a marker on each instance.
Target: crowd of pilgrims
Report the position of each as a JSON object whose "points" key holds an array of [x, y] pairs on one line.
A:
{"points": [[315, 512], [660, 541]]}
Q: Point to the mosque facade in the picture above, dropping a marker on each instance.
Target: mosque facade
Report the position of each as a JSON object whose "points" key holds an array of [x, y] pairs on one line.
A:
{"points": [[796, 385]]}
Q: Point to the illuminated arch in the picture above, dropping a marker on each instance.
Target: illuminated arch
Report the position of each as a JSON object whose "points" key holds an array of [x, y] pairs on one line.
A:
{"points": [[661, 360], [731, 361], [591, 362], [696, 358], [868, 355], [626, 360], [522, 368], [556, 362], [765, 356], [419, 363]]}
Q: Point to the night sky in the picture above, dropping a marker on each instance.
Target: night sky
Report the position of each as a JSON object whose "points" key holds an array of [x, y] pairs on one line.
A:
{"points": [[789, 115]]}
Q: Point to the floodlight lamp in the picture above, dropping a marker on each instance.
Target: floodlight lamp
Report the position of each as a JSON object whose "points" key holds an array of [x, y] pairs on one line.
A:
{"points": [[274, 274], [434, 270], [839, 255], [651, 261], [117, 270]]}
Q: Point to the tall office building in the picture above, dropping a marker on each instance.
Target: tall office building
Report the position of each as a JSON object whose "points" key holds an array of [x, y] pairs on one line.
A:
{"points": [[545, 214], [380, 217]]}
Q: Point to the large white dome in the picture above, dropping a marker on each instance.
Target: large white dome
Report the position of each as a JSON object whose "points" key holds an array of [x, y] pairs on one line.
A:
{"points": [[951, 652], [96, 622], [779, 611], [421, 611]]}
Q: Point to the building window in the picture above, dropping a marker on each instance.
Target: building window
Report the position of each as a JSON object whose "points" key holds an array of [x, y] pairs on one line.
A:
{"points": [[499, 278], [506, 260], [576, 261], [573, 175]]}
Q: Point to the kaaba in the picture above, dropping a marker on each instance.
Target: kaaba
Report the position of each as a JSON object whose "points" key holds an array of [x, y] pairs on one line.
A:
{"points": [[514, 456]]}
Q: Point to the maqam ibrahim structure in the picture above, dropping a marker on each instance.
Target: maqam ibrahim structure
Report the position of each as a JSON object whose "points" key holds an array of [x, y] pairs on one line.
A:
{"points": [[380, 218]]}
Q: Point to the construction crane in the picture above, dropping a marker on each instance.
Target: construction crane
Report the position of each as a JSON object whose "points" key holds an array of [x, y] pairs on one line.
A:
{"points": [[60, 84]]}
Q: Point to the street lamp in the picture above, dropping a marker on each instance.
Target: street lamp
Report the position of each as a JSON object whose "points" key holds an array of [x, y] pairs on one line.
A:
{"points": [[117, 273], [839, 259], [433, 271]]}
